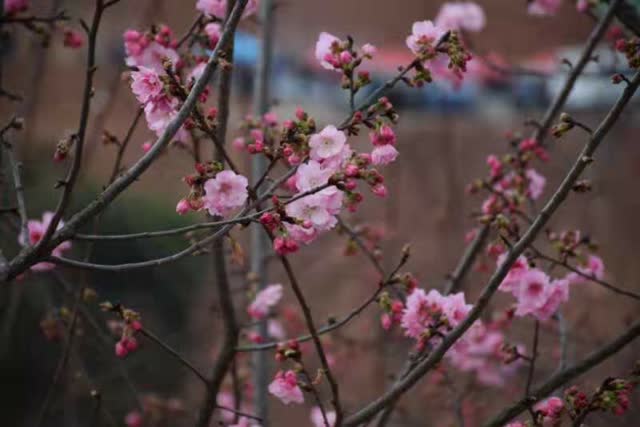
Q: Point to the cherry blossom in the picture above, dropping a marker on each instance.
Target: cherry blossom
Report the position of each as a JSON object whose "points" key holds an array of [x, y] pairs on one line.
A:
{"points": [[36, 230], [424, 36], [285, 387], [424, 311], [540, 296], [551, 409], [465, 15], [318, 209], [225, 192], [72, 39], [328, 143], [511, 282], [146, 84], [384, 155], [264, 300], [326, 48]]}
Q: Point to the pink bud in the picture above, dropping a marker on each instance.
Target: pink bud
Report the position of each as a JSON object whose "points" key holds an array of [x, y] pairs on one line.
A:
{"points": [[239, 144], [386, 321], [183, 207], [146, 146], [133, 419], [130, 343], [351, 170], [379, 190], [136, 325], [345, 57], [300, 114], [121, 350]]}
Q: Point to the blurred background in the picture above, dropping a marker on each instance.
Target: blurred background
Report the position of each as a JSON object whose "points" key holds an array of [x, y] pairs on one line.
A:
{"points": [[444, 134]]}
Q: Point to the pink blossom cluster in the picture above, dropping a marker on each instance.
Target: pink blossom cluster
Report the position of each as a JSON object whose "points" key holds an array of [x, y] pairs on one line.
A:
{"points": [[481, 351], [36, 230], [339, 55], [285, 388], [432, 314], [512, 180], [327, 173], [218, 8], [536, 293], [128, 342], [264, 301], [151, 50]]}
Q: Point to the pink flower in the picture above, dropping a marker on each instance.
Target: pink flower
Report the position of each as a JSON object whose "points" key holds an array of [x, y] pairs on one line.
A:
{"points": [[495, 165], [384, 154], [544, 7], [318, 420], [285, 387], [424, 36], [532, 292], [511, 282], [213, 31], [141, 52], [225, 192], [422, 310], [300, 234], [539, 296], [326, 51], [159, 113], [133, 419], [536, 183], [146, 84], [15, 6], [264, 300], [467, 16], [218, 8], [329, 142], [311, 175], [72, 39], [319, 209], [36, 230]]}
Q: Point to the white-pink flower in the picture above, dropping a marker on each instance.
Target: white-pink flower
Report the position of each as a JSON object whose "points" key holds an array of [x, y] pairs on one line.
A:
{"points": [[328, 143], [326, 47], [36, 230], [264, 300], [146, 84], [225, 192], [544, 7], [384, 154], [466, 15], [311, 175], [318, 420], [151, 55], [318, 209], [218, 8], [424, 36], [285, 387], [536, 183]]}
